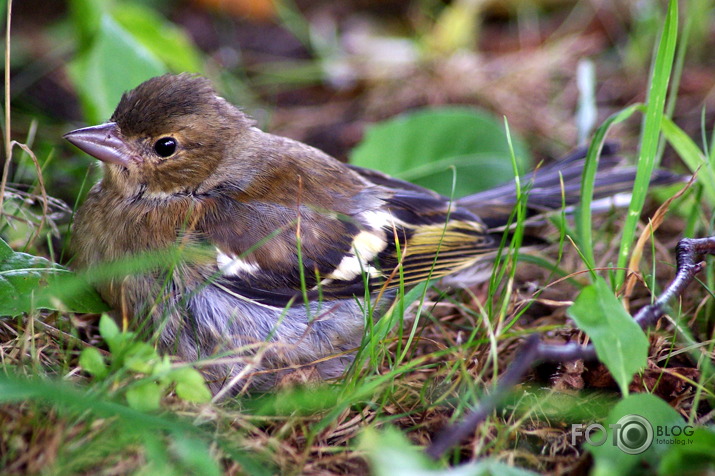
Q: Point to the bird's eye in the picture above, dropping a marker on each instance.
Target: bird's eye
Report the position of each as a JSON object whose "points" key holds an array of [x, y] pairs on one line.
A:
{"points": [[165, 146]]}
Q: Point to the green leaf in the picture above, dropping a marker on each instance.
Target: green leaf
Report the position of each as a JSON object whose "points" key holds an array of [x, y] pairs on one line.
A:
{"points": [[115, 62], [191, 385], [161, 367], [162, 38], [108, 329], [609, 456], [30, 282], [144, 396], [69, 291], [620, 344], [422, 146], [86, 17], [92, 361], [690, 453], [20, 276], [391, 454], [121, 45], [140, 357]]}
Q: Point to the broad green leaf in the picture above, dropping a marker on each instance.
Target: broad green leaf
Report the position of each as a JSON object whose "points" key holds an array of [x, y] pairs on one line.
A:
{"points": [[69, 291], [30, 282], [140, 357], [126, 350], [91, 360], [391, 454], [86, 17], [190, 385], [121, 45], [422, 146], [610, 458], [691, 453], [620, 344], [161, 367], [108, 329], [162, 38], [114, 63], [144, 396], [20, 276]]}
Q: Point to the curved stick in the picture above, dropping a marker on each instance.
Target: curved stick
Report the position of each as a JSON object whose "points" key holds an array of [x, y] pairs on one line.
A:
{"points": [[689, 254]]}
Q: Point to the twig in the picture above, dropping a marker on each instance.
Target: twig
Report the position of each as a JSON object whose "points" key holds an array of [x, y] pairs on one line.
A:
{"points": [[689, 254]]}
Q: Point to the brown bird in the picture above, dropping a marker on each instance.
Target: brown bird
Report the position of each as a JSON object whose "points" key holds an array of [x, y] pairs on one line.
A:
{"points": [[282, 244]]}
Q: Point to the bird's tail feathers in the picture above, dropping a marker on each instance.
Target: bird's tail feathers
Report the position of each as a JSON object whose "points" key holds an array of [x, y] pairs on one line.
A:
{"points": [[550, 187]]}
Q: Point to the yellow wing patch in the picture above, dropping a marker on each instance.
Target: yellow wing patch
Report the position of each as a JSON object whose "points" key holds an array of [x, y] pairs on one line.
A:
{"points": [[434, 251]]}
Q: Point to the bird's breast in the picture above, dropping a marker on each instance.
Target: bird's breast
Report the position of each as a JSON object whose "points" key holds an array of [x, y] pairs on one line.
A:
{"points": [[109, 227]]}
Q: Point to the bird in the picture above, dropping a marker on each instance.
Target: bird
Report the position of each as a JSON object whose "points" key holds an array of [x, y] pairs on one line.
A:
{"points": [[283, 246]]}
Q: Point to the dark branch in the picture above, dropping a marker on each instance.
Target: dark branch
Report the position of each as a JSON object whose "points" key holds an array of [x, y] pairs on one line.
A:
{"points": [[689, 254]]}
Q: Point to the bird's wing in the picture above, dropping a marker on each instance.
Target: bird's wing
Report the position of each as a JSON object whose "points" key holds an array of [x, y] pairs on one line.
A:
{"points": [[281, 254]]}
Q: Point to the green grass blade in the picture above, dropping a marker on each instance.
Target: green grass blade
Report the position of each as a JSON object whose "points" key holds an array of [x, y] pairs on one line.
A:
{"points": [[660, 78], [693, 157], [584, 231]]}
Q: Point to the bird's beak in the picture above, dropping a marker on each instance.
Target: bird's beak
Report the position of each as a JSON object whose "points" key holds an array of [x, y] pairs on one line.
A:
{"points": [[102, 142]]}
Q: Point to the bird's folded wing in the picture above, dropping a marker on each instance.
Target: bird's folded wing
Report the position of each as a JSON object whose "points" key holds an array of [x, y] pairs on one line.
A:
{"points": [[279, 255]]}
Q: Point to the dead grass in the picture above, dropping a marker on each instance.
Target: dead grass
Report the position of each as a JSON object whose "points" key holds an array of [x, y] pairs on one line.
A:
{"points": [[531, 430]]}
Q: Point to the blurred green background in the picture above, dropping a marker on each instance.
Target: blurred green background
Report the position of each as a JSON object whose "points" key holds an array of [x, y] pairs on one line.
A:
{"points": [[323, 72]]}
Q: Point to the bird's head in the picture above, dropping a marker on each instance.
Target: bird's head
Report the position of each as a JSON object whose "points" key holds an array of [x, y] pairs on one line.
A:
{"points": [[166, 136]]}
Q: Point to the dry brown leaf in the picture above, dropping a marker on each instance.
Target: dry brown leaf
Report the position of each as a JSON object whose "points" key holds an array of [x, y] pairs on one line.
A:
{"points": [[637, 254]]}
